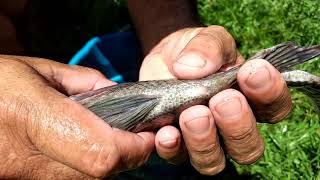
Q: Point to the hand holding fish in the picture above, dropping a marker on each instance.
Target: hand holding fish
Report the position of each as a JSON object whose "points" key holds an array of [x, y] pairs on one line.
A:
{"points": [[196, 53], [202, 51], [44, 134]]}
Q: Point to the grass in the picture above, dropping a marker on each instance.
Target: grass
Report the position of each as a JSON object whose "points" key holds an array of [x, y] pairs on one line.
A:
{"points": [[292, 146]]}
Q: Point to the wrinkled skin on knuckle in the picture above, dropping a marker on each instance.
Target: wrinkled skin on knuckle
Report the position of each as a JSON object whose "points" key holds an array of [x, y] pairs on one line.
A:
{"points": [[17, 111], [244, 146], [171, 46], [252, 157], [223, 38], [275, 111], [103, 162], [208, 156], [211, 169], [41, 166], [14, 115], [92, 71], [241, 135], [133, 160], [15, 146]]}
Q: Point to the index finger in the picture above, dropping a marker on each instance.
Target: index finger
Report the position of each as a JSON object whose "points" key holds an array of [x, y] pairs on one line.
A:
{"points": [[69, 79]]}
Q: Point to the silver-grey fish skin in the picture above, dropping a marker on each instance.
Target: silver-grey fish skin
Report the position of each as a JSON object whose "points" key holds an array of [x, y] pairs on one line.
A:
{"points": [[173, 95], [298, 77]]}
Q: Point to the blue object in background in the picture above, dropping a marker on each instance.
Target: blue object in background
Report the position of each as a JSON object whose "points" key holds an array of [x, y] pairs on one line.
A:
{"points": [[118, 56]]}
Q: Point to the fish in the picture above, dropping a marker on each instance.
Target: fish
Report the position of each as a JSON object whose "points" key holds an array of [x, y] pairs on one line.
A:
{"points": [[148, 105]]}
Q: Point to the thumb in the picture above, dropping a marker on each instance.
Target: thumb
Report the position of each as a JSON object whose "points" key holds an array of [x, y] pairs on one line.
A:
{"points": [[68, 133], [191, 54], [209, 50]]}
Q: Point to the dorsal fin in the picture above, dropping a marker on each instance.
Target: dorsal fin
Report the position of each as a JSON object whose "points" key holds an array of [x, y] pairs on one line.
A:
{"points": [[286, 55]]}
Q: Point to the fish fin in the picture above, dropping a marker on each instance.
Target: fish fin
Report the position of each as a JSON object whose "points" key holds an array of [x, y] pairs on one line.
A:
{"points": [[86, 96], [124, 112], [286, 55], [314, 93], [305, 82]]}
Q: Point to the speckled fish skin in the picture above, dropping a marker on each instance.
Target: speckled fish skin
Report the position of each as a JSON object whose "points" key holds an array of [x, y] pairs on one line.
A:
{"points": [[173, 95], [148, 105], [298, 77]]}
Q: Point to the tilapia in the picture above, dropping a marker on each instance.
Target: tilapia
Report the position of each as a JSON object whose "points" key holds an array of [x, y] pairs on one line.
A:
{"points": [[146, 105]]}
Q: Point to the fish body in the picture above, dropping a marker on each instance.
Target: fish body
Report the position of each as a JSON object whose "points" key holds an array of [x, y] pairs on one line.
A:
{"points": [[148, 105], [170, 96]]}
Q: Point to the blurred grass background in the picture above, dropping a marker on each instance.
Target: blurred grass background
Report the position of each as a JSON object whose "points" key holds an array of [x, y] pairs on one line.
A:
{"points": [[57, 29]]}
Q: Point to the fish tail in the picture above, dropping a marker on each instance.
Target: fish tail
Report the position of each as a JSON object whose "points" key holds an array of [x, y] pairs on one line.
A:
{"points": [[288, 54], [305, 82]]}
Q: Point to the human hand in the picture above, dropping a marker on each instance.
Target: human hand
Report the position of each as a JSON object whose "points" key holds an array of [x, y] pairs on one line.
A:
{"points": [[45, 134], [198, 52]]}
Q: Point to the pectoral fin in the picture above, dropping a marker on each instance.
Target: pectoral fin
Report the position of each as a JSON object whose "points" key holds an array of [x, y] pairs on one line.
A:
{"points": [[124, 112]]}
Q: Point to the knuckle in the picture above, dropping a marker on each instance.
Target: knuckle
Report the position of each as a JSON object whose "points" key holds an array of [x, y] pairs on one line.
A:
{"points": [[212, 170], [224, 42], [252, 157], [88, 70], [208, 156], [242, 134], [99, 161], [94, 71], [137, 159], [218, 28], [205, 149], [277, 110], [222, 31], [247, 150]]}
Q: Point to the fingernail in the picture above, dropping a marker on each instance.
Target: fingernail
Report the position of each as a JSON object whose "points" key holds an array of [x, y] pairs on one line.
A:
{"points": [[229, 108], [168, 142], [258, 77], [199, 125], [192, 60]]}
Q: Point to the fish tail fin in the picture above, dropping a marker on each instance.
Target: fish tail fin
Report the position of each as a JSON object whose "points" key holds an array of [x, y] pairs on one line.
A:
{"points": [[286, 55], [305, 82]]}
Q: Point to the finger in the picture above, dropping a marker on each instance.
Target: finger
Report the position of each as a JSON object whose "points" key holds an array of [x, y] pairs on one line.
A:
{"points": [[201, 139], [70, 79], [206, 53], [67, 132], [237, 125], [267, 91], [169, 145]]}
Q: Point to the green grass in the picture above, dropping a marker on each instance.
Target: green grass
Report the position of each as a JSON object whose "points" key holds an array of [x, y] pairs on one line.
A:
{"points": [[292, 146]]}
